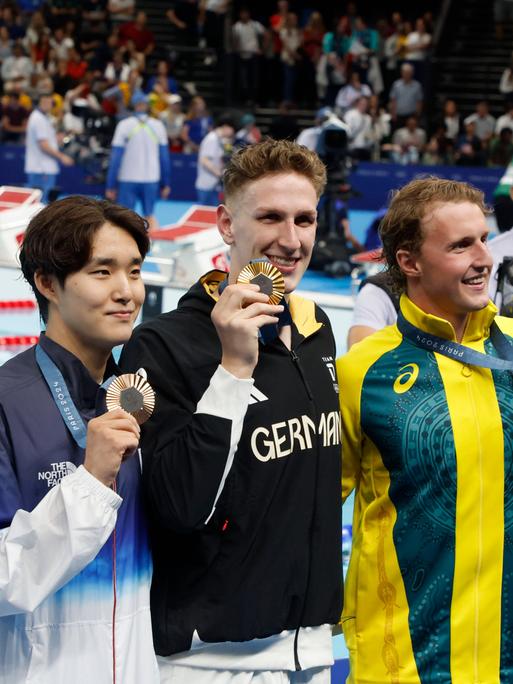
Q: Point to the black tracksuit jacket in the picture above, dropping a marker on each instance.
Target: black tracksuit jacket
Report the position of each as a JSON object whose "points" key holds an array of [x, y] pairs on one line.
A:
{"points": [[269, 559]]}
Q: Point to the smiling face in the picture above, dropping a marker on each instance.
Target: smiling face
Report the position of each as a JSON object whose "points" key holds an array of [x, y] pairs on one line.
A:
{"points": [[449, 276], [275, 217], [96, 308]]}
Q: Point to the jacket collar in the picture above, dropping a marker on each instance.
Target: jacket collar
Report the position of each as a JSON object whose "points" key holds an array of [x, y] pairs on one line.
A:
{"points": [[477, 328], [301, 310], [81, 385]]}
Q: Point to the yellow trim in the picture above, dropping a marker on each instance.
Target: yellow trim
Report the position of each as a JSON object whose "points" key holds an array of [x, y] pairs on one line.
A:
{"points": [[211, 282], [479, 447], [303, 314], [375, 615]]}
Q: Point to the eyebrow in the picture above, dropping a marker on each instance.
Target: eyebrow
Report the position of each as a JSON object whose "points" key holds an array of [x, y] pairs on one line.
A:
{"points": [[274, 210], [110, 261]]}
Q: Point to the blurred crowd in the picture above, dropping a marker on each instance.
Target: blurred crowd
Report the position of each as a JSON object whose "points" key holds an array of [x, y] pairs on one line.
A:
{"points": [[92, 56]]}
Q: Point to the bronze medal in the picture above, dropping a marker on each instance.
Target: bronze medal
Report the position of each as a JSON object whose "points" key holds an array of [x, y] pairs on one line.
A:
{"points": [[266, 276], [133, 394]]}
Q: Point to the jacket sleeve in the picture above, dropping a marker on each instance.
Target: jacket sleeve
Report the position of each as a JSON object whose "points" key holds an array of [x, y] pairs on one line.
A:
{"points": [[42, 550], [188, 446], [351, 431]]}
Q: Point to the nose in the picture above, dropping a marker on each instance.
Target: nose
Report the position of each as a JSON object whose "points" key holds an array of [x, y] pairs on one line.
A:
{"points": [[288, 237], [122, 291], [483, 257]]}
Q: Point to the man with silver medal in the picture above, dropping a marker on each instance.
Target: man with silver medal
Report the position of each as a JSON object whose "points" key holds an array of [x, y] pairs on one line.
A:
{"points": [[75, 567]]}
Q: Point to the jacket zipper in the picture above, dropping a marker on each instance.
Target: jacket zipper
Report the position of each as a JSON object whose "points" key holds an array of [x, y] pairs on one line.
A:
{"points": [[297, 363]]}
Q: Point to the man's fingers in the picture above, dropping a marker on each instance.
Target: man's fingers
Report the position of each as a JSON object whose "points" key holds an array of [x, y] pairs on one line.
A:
{"points": [[258, 308]]}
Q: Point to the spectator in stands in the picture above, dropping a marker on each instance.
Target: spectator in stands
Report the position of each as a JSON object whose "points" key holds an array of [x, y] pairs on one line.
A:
{"points": [[404, 30], [350, 93], [198, 123], [17, 66], [117, 70], [173, 119], [313, 34], [364, 45], [35, 29], [14, 119], [132, 56], [452, 120], [62, 80], [408, 142], [506, 120], [406, 97], [42, 154], [418, 44], [249, 133], [484, 122], [332, 67], [506, 82], [212, 156], [121, 11], [162, 72], [184, 15], [139, 164], [5, 44], [291, 40], [213, 15], [360, 133], [77, 66], [12, 20], [391, 59], [381, 126], [501, 148], [248, 36], [469, 149], [138, 32], [61, 44]]}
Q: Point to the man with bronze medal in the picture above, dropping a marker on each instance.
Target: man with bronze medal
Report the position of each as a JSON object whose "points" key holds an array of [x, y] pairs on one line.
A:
{"points": [[428, 450], [241, 457], [75, 566]]}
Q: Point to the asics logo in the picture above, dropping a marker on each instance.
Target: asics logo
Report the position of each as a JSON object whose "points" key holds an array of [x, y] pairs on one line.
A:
{"points": [[406, 379]]}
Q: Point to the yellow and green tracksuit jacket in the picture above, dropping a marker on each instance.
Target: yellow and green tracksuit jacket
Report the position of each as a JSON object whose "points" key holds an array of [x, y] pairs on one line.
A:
{"points": [[428, 449]]}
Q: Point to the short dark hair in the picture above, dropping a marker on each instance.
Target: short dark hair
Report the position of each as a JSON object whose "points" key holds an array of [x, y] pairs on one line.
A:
{"points": [[59, 239]]}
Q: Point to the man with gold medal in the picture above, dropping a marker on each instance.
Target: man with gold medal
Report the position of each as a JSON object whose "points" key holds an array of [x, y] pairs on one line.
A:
{"points": [[75, 566], [241, 458]]}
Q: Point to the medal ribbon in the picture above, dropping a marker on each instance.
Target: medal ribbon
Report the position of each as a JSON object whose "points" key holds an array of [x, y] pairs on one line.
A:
{"points": [[459, 352], [62, 398]]}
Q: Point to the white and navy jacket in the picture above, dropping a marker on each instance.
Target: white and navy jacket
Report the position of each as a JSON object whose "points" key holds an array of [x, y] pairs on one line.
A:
{"points": [[75, 567]]}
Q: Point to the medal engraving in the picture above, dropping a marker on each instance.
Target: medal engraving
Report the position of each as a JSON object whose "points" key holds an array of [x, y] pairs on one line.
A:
{"points": [[133, 394], [267, 277]]}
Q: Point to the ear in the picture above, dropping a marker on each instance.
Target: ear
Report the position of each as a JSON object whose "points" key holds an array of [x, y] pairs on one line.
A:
{"points": [[47, 286], [408, 263], [224, 223]]}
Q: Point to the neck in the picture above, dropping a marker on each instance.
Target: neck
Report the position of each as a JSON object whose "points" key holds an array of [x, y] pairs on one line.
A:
{"points": [[458, 321], [95, 360]]}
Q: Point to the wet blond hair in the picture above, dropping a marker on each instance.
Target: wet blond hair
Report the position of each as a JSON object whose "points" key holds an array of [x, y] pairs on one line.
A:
{"points": [[270, 157], [401, 227]]}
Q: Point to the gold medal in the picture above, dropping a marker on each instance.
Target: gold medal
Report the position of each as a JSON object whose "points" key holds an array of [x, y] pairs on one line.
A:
{"points": [[266, 276], [133, 394]]}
